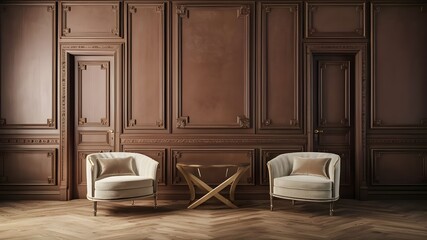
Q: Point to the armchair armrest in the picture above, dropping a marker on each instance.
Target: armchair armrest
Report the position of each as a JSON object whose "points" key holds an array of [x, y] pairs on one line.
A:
{"points": [[278, 167], [334, 172], [91, 176], [147, 167]]}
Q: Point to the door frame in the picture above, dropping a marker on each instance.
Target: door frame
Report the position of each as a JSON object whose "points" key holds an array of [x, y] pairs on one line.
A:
{"points": [[65, 86], [359, 51]]}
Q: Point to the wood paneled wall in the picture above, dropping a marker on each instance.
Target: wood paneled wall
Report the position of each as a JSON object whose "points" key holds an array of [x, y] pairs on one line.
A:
{"points": [[210, 82]]}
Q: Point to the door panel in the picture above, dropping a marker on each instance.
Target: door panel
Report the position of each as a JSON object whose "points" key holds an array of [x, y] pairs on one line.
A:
{"points": [[333, 111], [93, 112], [333, 104]]}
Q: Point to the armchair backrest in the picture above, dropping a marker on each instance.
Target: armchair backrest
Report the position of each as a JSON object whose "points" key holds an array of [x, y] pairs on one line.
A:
{"points": [[282, 166]]}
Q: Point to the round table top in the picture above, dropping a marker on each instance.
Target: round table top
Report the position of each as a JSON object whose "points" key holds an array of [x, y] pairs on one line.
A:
{"points": [[212, 165]]}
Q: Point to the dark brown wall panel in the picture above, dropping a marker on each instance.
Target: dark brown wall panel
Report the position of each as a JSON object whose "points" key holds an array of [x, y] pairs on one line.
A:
{"points": [[398, 167], [146, 61], [90, 19], [28, 167], [213, 71], [279, 88], [213, 157], [335, 20], [399, 60], [27, 72]]}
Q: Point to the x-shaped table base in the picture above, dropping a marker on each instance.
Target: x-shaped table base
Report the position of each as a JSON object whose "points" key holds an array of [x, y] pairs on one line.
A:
{"points": [[211, 192]]}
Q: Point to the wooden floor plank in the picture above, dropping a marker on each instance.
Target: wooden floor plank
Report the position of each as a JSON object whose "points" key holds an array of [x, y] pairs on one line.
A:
{"points": [[253, 220]]}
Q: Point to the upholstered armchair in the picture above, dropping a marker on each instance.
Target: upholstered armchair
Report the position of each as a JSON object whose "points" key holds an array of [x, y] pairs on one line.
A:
{"points": [[305, 176], [118, 176]]}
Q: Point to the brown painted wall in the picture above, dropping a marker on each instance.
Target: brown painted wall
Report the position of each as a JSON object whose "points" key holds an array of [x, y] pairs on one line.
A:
{"points": [[213, 82]]}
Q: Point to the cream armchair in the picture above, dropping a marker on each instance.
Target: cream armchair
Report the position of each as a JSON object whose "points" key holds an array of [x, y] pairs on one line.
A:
{"points": [[305, 176], [118, 176]]}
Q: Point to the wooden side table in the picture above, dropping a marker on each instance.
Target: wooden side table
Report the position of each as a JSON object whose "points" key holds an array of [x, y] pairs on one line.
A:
{"points": [[192, 180]]}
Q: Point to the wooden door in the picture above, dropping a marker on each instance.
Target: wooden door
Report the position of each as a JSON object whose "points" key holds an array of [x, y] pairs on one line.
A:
{"points": [[93, 113], [333, 113]]}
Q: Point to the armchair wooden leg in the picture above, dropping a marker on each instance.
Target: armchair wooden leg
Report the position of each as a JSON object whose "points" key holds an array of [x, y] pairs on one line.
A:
{"points": [[271, 203], [331, 208], [293, 202], [133, 202], [95, 207], [155, 200]]}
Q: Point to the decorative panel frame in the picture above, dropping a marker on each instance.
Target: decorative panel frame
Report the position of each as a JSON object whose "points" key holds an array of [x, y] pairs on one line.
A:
{"points": [[131, 122], [376, 122], [28, 140], [265, 122], [382, 154], [211, 140], [50, 155], [50, 122], [177, 154], [67, 7], [183, 11], [312, 9]]}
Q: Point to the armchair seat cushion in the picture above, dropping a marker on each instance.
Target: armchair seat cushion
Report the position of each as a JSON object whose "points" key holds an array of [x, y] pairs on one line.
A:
{"points": [[303, 187], [122, 183], [118, 187], [304, 182]]}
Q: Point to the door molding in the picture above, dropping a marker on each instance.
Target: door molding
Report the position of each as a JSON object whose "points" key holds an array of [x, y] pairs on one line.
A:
{"points": [[67, 52], [358, 50]]}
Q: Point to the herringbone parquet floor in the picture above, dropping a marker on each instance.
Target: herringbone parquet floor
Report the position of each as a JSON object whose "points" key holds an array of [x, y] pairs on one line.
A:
{"points": [[253, 220]]}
